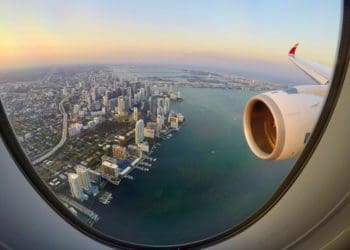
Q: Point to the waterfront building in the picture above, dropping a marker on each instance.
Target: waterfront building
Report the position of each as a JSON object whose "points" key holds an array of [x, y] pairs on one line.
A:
{"points": [[75, 186], [139, 127], [135, 151], [174, 122], [110, 169], [181, 117], [160, 123], [95, 177], [174, 96], [84, 178], [166, 105], [149, 132], [136, 114], [144, 146], [119, 152], [152, 125], [109, 159]]}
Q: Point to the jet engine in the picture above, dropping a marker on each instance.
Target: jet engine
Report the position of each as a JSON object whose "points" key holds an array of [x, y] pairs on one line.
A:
{"points": [[278, 124]]}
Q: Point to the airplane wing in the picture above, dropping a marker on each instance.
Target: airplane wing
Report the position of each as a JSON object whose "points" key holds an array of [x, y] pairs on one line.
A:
{"points": [[319, 73]]}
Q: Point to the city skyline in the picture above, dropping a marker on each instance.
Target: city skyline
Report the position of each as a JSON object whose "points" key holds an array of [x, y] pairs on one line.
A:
{"points": [[206, 33]]}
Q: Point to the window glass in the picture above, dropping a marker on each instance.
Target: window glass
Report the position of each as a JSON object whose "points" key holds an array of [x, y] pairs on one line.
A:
{"points": [[165, 122]]}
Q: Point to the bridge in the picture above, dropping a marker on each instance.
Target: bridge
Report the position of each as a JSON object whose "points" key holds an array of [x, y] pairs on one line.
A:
{"points": [[91, 214]]}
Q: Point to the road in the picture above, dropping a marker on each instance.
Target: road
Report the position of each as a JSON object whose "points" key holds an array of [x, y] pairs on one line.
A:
{"points": [[64, 134], [94, 216]]}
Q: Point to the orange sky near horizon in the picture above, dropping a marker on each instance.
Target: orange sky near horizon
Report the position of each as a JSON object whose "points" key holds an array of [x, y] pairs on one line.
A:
{"points": [[35, 39]]}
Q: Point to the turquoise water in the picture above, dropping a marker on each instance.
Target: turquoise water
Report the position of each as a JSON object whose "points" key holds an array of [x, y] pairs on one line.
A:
{"points": [[205, 180]]}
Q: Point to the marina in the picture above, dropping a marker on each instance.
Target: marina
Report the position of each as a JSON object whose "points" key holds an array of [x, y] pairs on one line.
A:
{"points": [[105, 198], [223, 184]]}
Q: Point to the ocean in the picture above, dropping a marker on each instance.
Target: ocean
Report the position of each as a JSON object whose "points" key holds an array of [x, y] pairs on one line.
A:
{"points": [[205, 181]]}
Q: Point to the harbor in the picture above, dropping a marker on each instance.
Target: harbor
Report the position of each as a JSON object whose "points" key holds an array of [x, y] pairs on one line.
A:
{"points": [[105, 198], [143, 163]]}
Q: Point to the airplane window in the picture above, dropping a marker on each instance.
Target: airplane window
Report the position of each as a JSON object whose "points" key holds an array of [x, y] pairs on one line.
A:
{"points": [[163, 123]]}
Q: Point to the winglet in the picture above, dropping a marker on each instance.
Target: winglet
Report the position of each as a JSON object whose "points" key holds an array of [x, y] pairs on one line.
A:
{"points": [[293, 49], [319, 73]]}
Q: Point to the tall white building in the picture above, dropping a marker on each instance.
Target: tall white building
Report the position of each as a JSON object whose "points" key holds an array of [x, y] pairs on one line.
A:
{"points": [[75, 186], [139, 127], [128, 103], [105, 100], [142, 93], [121, 105], [84, 178], [160, 123], [136, 114], [166, 105]]}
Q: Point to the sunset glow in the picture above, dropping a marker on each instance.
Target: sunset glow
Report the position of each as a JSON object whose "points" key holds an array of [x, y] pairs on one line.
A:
{"points": [[53, 32]]}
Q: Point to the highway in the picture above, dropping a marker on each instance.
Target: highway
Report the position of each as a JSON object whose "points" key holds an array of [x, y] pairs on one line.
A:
{"points": [[64, 134]]}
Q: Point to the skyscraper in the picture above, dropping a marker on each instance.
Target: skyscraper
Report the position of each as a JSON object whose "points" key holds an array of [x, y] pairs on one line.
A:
{"points": [[160, 123], [160, 102], [84, 178], [129, 92], [159, 110], [121, 105], [147, 92], [136, 114], [75, 187], [153, 104], [166, 105], [142, 94], [139, 127]]}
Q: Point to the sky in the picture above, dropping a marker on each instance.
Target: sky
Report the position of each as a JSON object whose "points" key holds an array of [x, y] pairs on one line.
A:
{"points": [[220, 33]]}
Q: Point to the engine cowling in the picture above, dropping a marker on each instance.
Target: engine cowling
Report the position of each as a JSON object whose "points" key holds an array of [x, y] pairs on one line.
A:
{"points": [[277, 124]]}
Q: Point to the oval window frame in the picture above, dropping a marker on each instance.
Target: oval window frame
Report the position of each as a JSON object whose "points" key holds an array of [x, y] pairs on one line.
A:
{"points": [[25, 166]]}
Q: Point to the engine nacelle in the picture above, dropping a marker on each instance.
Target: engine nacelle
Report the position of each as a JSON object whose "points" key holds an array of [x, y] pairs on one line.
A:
{"points": [[277, 124]]}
